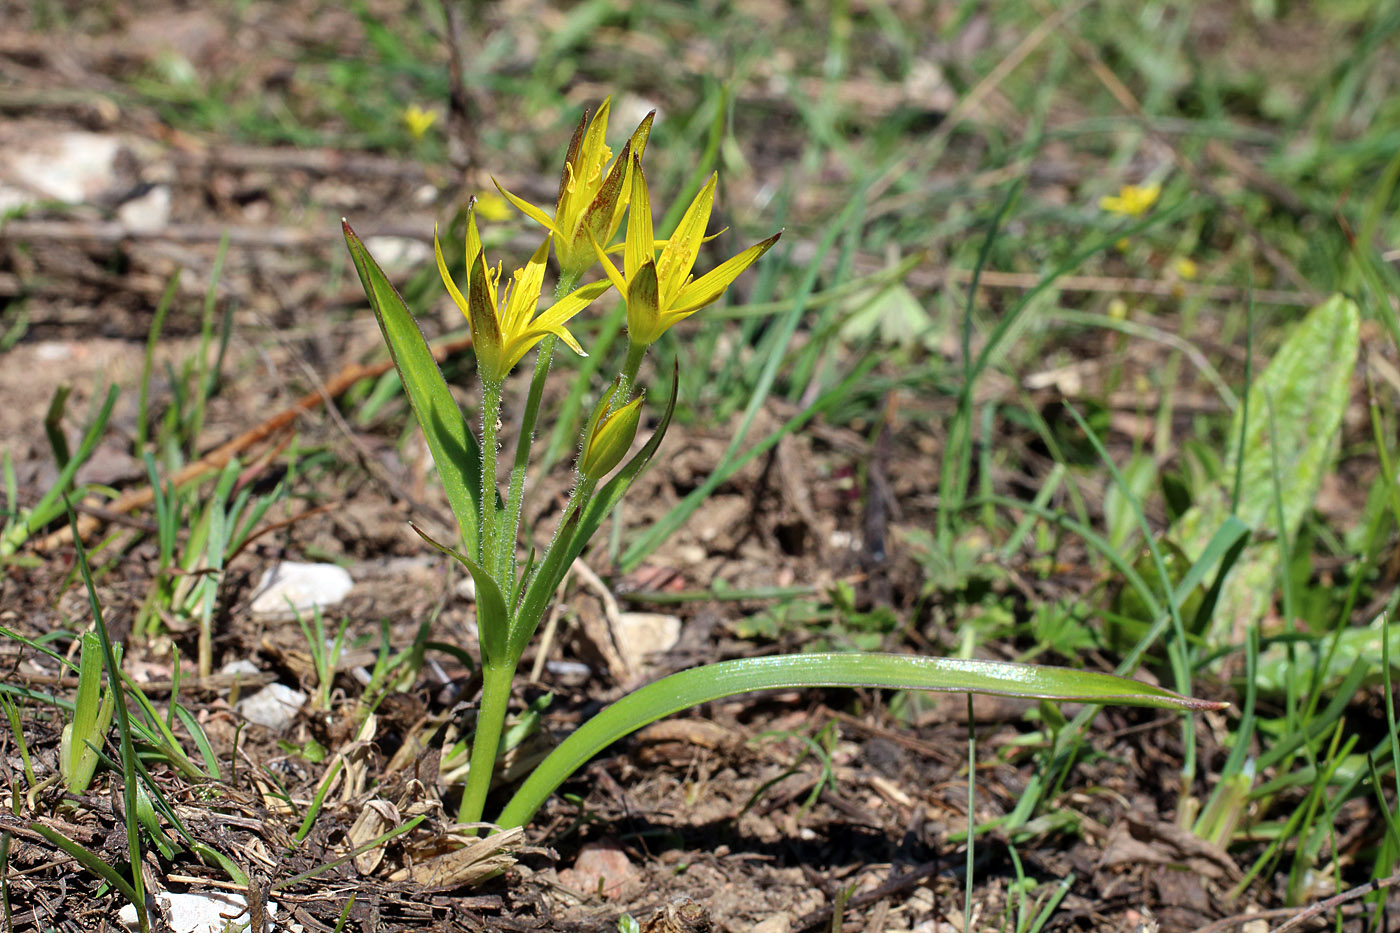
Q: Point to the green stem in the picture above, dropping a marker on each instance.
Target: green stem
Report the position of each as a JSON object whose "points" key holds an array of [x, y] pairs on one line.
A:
{"points": [[490, 428], [490, 724], [550, 572], [515, 493], [635, 352]]}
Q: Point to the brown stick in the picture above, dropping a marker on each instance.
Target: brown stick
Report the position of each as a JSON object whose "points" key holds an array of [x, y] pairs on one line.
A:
{"points": [[217, 458]]}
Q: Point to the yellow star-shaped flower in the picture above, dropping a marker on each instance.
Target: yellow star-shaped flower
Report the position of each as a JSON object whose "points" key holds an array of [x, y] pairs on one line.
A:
{"points": [[503, 321], [592, 196], [660, 291]]}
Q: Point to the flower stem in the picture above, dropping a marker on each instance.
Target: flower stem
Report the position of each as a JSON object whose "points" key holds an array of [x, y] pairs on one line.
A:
{"points": [[490, 428], [515, 494], [635, 352], [490, 724]]}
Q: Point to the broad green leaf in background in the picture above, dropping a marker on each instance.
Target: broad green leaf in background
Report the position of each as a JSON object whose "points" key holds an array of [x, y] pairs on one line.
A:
{"points": [[1306, 386], [453, 445]]}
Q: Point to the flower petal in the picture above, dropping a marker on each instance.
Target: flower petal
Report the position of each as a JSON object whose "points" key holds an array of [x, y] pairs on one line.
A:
{"points": [[486, 327], [678, 257], [644, 323], [570, 159], [447, 277], [528, 209], [614, 276], [641, 247], [565, 308], [598, 218], [524, 296], [712, 284]]}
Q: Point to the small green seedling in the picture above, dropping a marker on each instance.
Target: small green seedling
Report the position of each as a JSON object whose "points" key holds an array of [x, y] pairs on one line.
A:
{"points": [[92, 716]]}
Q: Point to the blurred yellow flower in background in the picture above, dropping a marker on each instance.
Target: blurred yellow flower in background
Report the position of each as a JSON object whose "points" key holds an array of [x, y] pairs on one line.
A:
{"points": [[1131, 200], [418, 120]]}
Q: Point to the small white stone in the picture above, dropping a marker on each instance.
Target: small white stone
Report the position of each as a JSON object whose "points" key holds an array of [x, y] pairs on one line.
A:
{"points": [[71, 167], [274, 706], [778, 923], [148, 213], [291, 588], [202, 913], [398, 253], [640, 634], [241, 666]]}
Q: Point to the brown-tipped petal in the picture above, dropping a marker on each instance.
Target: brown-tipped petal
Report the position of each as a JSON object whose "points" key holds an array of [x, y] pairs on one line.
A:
{"points": [[643, 306], [710, 286], [598, 218], [486, 328], [570, 159]]}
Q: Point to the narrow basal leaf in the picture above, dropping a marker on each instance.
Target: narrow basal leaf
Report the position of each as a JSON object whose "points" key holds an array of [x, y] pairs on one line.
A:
{"points": [[728, 678], [454, 447]]}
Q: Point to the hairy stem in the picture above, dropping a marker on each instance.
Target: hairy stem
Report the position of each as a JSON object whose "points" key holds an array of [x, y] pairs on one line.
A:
{"points": [[635, 352], [490, 428], [515, 494]]}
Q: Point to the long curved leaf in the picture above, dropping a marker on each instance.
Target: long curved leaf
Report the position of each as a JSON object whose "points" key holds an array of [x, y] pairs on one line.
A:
{"points": [[728, 678], [453, 445]]}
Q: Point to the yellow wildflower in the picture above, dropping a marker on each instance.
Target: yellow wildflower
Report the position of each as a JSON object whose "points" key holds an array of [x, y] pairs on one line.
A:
{"points": [[1132, 200], [661, 291], [1186, 268], [504, 322], [592, 197], [418, 120]]}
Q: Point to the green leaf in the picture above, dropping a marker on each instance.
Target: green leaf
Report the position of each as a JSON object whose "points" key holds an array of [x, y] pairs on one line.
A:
{"points": [[728, 678], [492, 616], [1307, 384], [454, 447]]}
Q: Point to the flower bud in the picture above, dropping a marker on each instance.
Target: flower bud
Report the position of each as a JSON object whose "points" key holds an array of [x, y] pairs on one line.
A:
{"points": [[609, 437]]}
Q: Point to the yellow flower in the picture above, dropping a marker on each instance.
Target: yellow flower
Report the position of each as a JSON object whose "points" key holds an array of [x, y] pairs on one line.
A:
{"points": [[609, 436], [418, 120], [1132, 200], [661, 291], [504, 322], [1186, 268], [592, 197]]}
